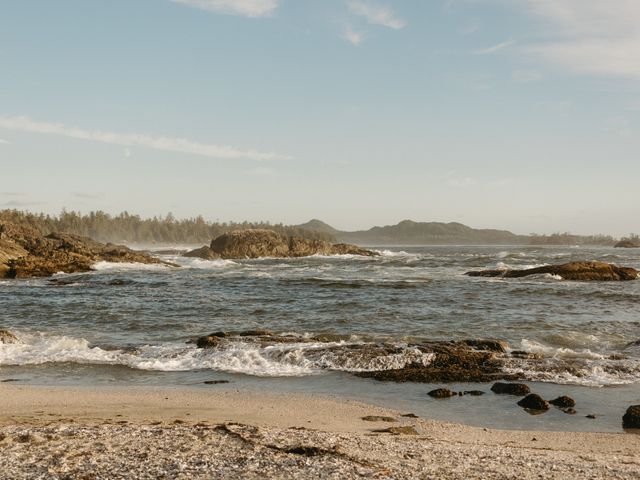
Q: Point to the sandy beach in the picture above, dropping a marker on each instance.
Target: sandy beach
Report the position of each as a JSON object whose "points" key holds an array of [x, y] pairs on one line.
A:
{"points": [[56, 432]]}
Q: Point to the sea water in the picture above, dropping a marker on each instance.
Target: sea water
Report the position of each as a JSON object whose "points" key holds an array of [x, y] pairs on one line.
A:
{"points": [[130, 324]]}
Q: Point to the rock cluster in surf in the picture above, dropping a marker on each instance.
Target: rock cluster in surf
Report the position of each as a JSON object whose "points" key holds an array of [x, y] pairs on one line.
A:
{"points": [[25, 252], [580, 271], [627, 244], [257, 243]]}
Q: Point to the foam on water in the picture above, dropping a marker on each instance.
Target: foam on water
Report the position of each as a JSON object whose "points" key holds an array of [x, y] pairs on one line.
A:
{"points": [[127, 266]]}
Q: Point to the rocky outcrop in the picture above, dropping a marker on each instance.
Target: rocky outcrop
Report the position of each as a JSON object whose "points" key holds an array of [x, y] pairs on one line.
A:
{"points": [[627, 244], [518, 389], [204, 253], [442, 393], [533, 401], [563, 402], [24, 252], [580, 271], [631, 418], [258, 243], [7, 337]]}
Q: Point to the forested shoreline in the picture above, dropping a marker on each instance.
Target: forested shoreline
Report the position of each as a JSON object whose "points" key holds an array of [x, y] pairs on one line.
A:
{"points": [[127, 228]]}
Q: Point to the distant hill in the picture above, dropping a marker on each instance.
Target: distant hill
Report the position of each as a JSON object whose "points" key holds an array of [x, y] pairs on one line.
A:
{"points": [[409, 232]]}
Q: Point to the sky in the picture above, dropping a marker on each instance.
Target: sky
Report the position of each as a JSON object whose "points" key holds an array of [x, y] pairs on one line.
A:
{"points": [[514, 114]]}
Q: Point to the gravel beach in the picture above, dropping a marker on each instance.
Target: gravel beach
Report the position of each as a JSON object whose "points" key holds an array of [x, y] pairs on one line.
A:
{"points": [[68, 433]]}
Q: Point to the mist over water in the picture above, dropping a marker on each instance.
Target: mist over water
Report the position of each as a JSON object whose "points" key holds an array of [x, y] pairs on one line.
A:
{"points": [[131, 323]]}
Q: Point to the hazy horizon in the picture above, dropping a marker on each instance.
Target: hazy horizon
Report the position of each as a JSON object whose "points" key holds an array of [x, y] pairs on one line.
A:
{"points": [[520, 115]]}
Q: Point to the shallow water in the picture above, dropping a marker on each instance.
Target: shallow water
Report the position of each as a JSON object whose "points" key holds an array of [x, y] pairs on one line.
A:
{"points": [[129, 324]]}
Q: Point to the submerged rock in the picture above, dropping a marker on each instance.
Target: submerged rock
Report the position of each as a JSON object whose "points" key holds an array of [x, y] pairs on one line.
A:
{"points": [[631, 418], [7, 337], [209, 341], [491, 345], [579, 271], [442, 393], [379, 418], [258, 243], [518, 389], [533, 401], [563, 402], [25, 252]]}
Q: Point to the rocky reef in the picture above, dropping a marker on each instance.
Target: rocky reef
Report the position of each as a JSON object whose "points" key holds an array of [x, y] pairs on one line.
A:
{"points": [[627, 244], [25, 252], [257, 243], [579, 271]]}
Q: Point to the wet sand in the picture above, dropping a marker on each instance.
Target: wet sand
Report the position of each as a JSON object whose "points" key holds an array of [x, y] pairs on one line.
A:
{"points": [[61, 432]]}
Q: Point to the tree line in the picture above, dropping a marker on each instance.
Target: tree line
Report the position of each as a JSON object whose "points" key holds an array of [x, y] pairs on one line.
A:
{"points": [[125, 227]]}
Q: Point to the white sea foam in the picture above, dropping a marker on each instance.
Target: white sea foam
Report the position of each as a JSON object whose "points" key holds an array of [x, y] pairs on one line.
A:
{"points": [[126, 266], [287, 359], [558, 352], [198, 263]]}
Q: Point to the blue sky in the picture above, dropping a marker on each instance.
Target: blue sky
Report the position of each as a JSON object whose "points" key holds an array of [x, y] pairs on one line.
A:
{"points": [[519, 114]]}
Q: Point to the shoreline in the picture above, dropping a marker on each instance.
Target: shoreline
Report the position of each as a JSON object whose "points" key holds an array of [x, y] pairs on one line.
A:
{"points": [[104, 421]]}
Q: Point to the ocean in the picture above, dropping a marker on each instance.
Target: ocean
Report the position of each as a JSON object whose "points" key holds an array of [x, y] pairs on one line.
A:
{"points": [[129, 324]]}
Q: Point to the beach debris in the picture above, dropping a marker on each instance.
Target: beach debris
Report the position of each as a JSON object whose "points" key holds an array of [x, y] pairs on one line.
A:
{"points": [[441, 393], [7, 337], [592, 416], [570, 411], [378, 418], [533, 401], [631, 418], [579, 271], [400, 430], [409, 415], [518, 389], [215, 382], [473, 393], [563, 402]]}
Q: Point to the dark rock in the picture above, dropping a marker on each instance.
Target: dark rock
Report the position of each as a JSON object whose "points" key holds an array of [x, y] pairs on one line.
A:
{"points": [[257, 243], [215, 382], [256, 333], [25, 252], [401, 430], [7, 337], [627, 244], [441, 393], [474, 393], [409, 415], [533, 401], [519, 389], [490, 345], [563, 402], [579, 271], [203, 252], [631, 418], [209, 341], [592, 416], [570, 411], [453, 362], [378, 418]]}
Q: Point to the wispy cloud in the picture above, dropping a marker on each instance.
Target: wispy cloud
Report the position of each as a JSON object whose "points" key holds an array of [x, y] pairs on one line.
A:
{"points": [[589, 36], [350, 35], [19, 203], [168, 144], [494, 48], [86, 195], [4, 142], [526, 76], [245, 8], [376, 14]]}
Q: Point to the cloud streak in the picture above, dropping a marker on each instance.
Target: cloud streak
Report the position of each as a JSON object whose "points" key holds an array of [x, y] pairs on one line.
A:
{"points": [[245, 8], [4, 142], [167, 144], [376, 14], [351, 36], [494, 48], [589, 36]]}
